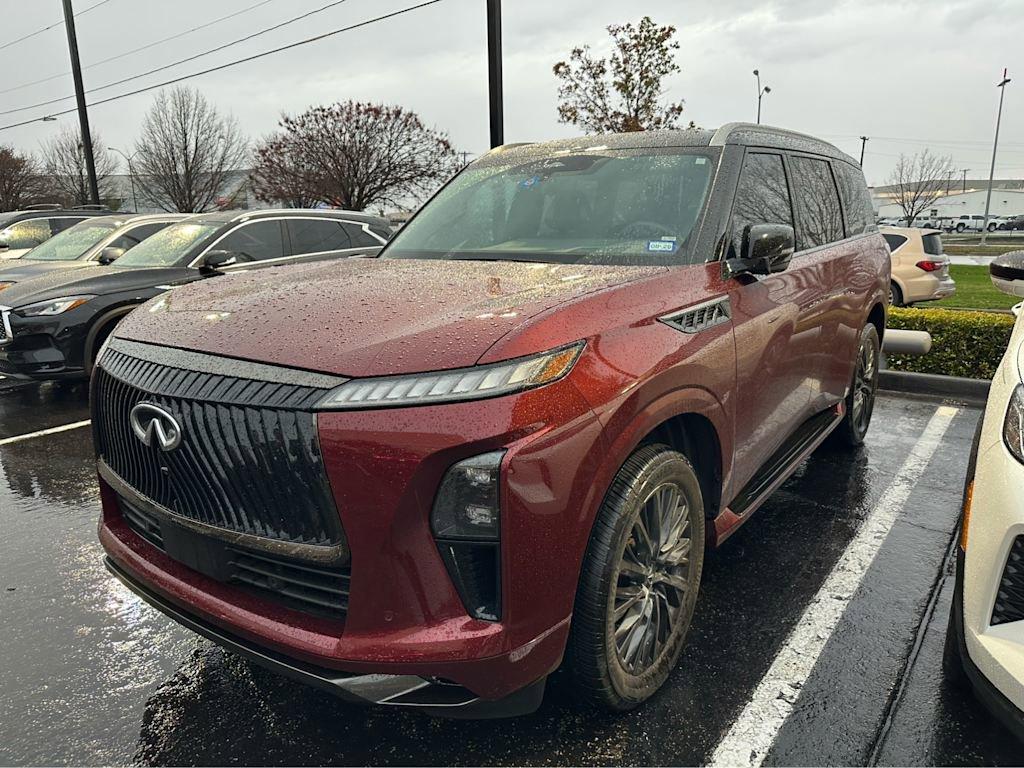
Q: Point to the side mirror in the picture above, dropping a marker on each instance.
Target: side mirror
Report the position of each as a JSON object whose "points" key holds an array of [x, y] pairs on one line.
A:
{"points": [[215, 261], [766, 248], [1007, 273], [110, 254]]}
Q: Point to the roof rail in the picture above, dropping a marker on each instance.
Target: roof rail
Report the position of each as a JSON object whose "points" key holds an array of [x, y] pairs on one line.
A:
{"points": [[43, 207], [90, 208]]}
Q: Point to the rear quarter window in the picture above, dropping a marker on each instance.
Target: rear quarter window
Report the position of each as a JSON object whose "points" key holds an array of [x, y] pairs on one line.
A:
{"points": [[932, 244], [894, 241], [860, 215]]}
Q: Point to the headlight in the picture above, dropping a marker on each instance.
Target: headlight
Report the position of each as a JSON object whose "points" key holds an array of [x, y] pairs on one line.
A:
{"points": [[458, 384], [6, 284], [52, 306], [1013, 425]]}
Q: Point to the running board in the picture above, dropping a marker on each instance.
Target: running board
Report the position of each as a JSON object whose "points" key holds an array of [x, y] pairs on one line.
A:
{"points": [[777, 469]]}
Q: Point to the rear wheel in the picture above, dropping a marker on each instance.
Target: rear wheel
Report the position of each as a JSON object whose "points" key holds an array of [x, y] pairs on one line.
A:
{"points": [[860, 400], [895, 295], [960, 227], [639, 581]]}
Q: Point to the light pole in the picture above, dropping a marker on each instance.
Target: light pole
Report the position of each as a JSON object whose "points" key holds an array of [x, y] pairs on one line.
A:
{"points": [[863, 143], [949, 179], [83, 113], [760, 93], [495, 88], [995, 145], [131, 174], [965, 170]]}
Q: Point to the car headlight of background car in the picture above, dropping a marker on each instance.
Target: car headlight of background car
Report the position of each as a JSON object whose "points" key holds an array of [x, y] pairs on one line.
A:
{"points": [[458, 384], [1013, 425], [52, 306]]}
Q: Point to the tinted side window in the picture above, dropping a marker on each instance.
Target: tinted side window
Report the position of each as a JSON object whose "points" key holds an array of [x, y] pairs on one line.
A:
{"points": [[860, 216], [381, 231], [317, 235], [819, 217], [932, 244], [894, 241], [360, 237], [26, 234], [762, 196], [254, 242]]}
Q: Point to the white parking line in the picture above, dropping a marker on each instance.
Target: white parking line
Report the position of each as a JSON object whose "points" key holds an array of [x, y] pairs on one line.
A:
{"points": [[42, 432], [753, 733]]}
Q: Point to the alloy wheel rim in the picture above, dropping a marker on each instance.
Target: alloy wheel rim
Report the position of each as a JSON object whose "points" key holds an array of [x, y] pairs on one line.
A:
{"points": [[864, 387], [652, 580]]}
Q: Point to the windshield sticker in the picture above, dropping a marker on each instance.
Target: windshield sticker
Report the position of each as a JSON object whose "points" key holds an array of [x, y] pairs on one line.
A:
{"points": [[665, 245], [530, 182]]}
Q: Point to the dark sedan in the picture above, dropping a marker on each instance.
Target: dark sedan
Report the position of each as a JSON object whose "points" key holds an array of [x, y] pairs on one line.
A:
{"points": [[53, 325]]}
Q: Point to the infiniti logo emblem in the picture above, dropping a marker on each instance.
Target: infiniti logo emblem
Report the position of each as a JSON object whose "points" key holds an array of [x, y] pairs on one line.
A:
{"points": [[155, 426]]}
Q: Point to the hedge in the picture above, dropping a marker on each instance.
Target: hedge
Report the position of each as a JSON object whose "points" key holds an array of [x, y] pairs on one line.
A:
{"points": [[964, 343]]}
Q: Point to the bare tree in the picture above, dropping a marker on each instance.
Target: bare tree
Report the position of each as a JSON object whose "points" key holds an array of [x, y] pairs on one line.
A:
{"points": [[917, 182], [283, 173], [21, 180], [623, 92], [186, 151], [353, 155], [64, 165]]}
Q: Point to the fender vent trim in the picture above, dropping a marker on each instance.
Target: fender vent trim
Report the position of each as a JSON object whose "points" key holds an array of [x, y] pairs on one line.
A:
{"points": [[700, 317]]}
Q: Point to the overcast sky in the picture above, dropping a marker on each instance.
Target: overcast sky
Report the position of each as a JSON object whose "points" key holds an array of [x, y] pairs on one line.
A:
{"points": [[908, 73]]}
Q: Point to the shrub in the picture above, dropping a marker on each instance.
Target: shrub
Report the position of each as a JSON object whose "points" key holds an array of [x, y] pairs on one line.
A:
{"points": [[968, 344]]}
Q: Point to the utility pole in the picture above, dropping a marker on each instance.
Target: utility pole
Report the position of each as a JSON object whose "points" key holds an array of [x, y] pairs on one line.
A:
{"points": [[83, 114], [131, 175], [965, 170], [863, 143], [497, 97], [949, 179], [995, 145], [760, 94]]}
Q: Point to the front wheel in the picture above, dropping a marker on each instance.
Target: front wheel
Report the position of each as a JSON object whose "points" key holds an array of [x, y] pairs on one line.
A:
{"points": [[639, 582], [960, 227], [860, 400]]}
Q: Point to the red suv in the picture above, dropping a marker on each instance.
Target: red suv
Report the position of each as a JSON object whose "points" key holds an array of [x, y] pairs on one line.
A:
{"points": [[432, 478]]}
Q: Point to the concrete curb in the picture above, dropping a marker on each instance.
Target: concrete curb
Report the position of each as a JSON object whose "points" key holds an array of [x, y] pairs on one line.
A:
{"points": [[954, 387]]}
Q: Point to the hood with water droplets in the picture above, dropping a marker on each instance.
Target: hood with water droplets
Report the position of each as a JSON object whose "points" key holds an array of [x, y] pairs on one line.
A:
{"points": [[366, 317]]}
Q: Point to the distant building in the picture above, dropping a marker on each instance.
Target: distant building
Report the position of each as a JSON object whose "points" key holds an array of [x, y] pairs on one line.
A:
{"points": [[236, 194], [1007, 200]]}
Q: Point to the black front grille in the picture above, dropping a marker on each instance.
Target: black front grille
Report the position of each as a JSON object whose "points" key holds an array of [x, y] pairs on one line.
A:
{"points": [[1010, 597], [249, 461], [305, 587]]}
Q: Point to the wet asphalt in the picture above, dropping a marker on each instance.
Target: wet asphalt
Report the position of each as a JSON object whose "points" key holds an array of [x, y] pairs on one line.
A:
{"points": [[90, 675]]}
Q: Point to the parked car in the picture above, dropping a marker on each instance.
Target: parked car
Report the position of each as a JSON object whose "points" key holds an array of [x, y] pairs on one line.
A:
{"points": [[920, 270], [985, 641], [54, 324], [98, 240], [1013, 224], [21, 231], [423, 480], [975, 223]]}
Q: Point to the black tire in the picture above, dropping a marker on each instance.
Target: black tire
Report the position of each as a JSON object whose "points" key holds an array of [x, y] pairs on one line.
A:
{"points": [[655, 615], [895, 295], [860, 400], [960, 227], [952, 662]]}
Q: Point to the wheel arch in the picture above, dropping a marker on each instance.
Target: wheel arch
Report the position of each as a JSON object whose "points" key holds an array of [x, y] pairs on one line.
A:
{"points": [[106, 322], [877, 318]]}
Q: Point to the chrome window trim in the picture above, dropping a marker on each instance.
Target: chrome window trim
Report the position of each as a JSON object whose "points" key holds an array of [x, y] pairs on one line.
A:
{"points": [[249, 221]]}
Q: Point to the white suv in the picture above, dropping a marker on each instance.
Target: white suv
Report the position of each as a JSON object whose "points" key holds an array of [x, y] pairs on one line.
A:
{"points": [[985, 642]]}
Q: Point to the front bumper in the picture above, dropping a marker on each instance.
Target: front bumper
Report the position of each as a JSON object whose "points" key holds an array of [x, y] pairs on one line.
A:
{"points": [[413, 691], [40, 348]]}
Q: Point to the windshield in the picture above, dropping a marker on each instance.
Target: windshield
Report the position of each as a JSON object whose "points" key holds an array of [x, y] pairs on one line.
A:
{"points": [[632, 207], [168, 246], [72, 243]]}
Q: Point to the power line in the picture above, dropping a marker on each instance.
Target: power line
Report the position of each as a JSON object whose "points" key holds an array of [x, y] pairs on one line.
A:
{"points": [[145, 47], [187, 59], [236, 62], [51, 26]]}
